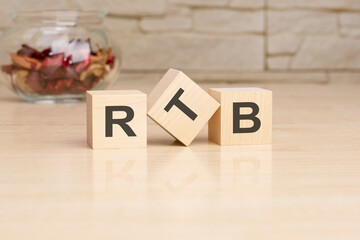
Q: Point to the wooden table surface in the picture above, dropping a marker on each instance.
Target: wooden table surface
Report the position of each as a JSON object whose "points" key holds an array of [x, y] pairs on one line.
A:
{"points": [[306, 185]]}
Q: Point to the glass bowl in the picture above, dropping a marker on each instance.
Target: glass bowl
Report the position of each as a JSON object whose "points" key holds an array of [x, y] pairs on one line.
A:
{"points": [[57, 55]]}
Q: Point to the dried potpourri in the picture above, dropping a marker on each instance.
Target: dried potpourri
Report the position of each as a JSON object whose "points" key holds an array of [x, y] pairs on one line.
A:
{"points": [[69, 69]]}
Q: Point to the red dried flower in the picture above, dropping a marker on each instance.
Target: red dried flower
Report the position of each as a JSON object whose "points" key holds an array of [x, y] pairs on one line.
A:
{"points": [[74, 70]]}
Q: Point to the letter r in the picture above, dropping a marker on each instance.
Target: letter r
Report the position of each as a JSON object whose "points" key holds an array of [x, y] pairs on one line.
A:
{"points": [[109, 121]]}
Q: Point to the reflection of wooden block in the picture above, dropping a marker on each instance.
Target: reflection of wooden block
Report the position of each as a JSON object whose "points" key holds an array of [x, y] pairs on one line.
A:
{"points": [[246, 170], [180, 106], [116, 119], [118, 174], [245, 116]]}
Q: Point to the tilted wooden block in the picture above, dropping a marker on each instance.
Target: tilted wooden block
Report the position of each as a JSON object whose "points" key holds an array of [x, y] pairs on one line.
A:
{"points": [[116, 119], [180, 106], [244, 117]]}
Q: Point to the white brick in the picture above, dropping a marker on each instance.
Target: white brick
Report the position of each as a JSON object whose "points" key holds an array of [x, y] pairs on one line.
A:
{"points": [[228, 21], [344, 77], [165, 24], [239, 77], [247, 3], [302, 21], [23, 5], [268, 76], [201, 2], [350, 31], [287, 43], [328, 52], [191, 51], [178, 10], [350, 19], [326, 4], [278, 62], [122, 25], [350, 24], [125, 7]]}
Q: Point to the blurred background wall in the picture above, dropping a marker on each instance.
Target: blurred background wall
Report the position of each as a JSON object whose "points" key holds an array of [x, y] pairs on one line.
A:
{"points": [[278, 40]]}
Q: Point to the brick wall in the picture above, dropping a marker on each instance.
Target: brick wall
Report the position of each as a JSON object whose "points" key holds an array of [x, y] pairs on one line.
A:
{"points": [[286, 40]]}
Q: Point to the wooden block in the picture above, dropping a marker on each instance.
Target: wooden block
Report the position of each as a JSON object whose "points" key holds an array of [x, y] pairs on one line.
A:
{"points": [[180, 106], [244, 117], [116, 119]]}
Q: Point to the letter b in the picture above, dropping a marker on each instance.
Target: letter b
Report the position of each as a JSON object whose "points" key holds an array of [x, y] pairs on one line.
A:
{"points": [[231, 126], [237, 117]]}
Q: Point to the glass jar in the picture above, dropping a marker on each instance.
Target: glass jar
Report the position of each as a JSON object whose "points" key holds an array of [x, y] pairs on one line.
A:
{"points": [[56, 56]]}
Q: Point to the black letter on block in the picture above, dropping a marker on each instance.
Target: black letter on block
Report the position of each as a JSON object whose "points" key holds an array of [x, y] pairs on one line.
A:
{"points": [[176, 101], [109, 121], [252, 116]]}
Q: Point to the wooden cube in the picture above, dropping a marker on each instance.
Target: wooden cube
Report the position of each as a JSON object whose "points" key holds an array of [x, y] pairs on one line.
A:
{"points": [[180, 106], [116, 119], [244, 117]]}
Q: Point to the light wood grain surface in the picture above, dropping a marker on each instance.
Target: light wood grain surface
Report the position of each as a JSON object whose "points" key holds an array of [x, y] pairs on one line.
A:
{"points": [[306, 185]]}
